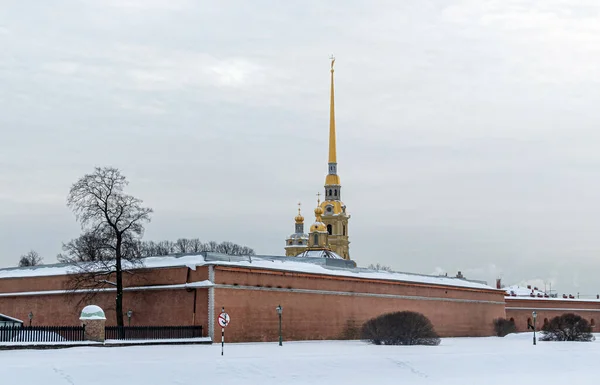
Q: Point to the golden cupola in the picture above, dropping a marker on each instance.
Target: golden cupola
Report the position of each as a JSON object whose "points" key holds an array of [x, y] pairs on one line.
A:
{"points": [[318, 226], [297, 242], [299, 218]]}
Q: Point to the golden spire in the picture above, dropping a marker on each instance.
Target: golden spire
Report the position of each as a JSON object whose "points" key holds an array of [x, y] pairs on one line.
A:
{"points": [[332, 152], [299, 218]]}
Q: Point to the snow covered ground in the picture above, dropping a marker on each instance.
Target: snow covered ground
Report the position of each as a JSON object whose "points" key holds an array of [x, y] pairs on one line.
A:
{"points": [[509, 360]]}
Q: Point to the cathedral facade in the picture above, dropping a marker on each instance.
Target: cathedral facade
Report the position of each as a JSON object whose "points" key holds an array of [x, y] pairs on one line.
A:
{"points": [[330, 231]]}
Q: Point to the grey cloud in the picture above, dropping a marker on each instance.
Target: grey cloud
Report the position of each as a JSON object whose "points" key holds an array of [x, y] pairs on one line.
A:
{"points": [[467, 131]]}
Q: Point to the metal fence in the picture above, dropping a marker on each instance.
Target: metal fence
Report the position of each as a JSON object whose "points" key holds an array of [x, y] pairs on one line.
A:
{"points": [[41, 333], [152, 332]]}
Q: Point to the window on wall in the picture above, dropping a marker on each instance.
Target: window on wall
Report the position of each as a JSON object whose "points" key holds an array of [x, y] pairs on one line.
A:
{"points": [[592, 323], [335, 192], [329, 229], [316, 239], [329, 191], [344, 230], [528, 323], [512, 320], [545, 321]]}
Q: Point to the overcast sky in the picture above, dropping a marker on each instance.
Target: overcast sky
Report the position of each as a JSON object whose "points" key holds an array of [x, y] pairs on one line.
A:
{"points": [[468, 131]]}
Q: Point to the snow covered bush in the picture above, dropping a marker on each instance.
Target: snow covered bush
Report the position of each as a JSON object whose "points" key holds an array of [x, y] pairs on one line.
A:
{"points": [[503, 326], [567, 327], [400, 328]]}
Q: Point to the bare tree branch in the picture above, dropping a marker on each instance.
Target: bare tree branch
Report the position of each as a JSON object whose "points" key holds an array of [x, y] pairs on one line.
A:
{"points": [[113, 225], [30, 259]]}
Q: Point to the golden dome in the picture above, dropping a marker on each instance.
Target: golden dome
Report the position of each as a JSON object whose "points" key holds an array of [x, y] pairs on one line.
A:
{"points": [[318, 212], [299, 218], [318, 226]]}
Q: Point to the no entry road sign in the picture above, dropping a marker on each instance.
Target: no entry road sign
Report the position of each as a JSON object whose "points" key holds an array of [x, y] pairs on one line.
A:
{"points": [[224, 320]]}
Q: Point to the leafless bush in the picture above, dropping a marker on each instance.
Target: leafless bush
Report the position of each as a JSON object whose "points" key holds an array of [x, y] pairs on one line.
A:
{"points": [[567, 327], [503, 327], [400, 328]]}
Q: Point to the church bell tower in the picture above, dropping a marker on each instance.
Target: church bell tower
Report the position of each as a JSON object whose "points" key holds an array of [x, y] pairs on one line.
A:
{"points": [[334, 216]]}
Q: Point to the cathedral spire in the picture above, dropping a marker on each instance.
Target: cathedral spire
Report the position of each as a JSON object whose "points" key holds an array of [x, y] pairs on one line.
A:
{"points": [[332, 178], [332, 149]]}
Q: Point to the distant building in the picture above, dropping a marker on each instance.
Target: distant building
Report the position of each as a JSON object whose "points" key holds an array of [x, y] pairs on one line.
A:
{"points": [[333, 215]]}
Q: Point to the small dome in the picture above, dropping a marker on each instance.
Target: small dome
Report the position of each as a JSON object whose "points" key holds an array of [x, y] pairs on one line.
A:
{"points": [[318, 226], [299, 218], [92, 312], [318, 211]]}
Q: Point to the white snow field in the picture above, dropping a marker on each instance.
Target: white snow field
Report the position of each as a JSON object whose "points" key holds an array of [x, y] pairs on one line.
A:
{"points": [[509, 360]]}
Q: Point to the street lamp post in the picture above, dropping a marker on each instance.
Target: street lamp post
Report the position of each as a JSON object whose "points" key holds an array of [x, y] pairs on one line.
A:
{"points": [[30, 317], [129, 314], [534, 314], [279, 311]]}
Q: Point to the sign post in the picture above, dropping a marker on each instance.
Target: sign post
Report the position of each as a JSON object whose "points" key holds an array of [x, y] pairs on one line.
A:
{"points": [[223, 321]]}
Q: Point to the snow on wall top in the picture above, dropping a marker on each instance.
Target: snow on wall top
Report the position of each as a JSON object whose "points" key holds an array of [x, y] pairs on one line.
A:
{"points": [[516, 292], [521, 291], [303, 265]]}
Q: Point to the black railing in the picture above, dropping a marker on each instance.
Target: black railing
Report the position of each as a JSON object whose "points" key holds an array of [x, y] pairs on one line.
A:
{"points": [[151, 332], [41, 333]]}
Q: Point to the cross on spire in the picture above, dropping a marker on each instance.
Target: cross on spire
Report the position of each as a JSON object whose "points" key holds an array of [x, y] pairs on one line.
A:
{"points": [[318, 198]]}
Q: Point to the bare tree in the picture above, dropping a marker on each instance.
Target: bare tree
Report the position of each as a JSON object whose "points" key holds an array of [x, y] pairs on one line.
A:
{"points": [[182, 245], [245, 250], [185, 245], [211, 246], [88, 247], [148, 248], [30, 259], [227, 248], [113, 224], [165, 248], [195, 246]]}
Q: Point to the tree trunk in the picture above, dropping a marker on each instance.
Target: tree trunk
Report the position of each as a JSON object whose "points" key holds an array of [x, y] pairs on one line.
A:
{"points": [[119, 299]]}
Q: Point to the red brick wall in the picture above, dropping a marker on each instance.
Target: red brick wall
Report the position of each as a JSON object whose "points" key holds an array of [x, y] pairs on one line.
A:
{"points": [[520, 310], [325, 316], [453, 311], [150, 307]]}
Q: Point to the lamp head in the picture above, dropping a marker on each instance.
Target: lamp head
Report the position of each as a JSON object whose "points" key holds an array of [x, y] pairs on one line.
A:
{"points": [[279, 309], [534, 314], [30, 315], [129, 313]]}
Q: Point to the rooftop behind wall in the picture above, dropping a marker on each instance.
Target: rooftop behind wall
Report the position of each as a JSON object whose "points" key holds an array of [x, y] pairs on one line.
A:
{"points": [[322, 266], [340, 263]]}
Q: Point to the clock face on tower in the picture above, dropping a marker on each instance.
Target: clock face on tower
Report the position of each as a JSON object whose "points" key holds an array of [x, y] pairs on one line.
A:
{"points": [[329, 209]]}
